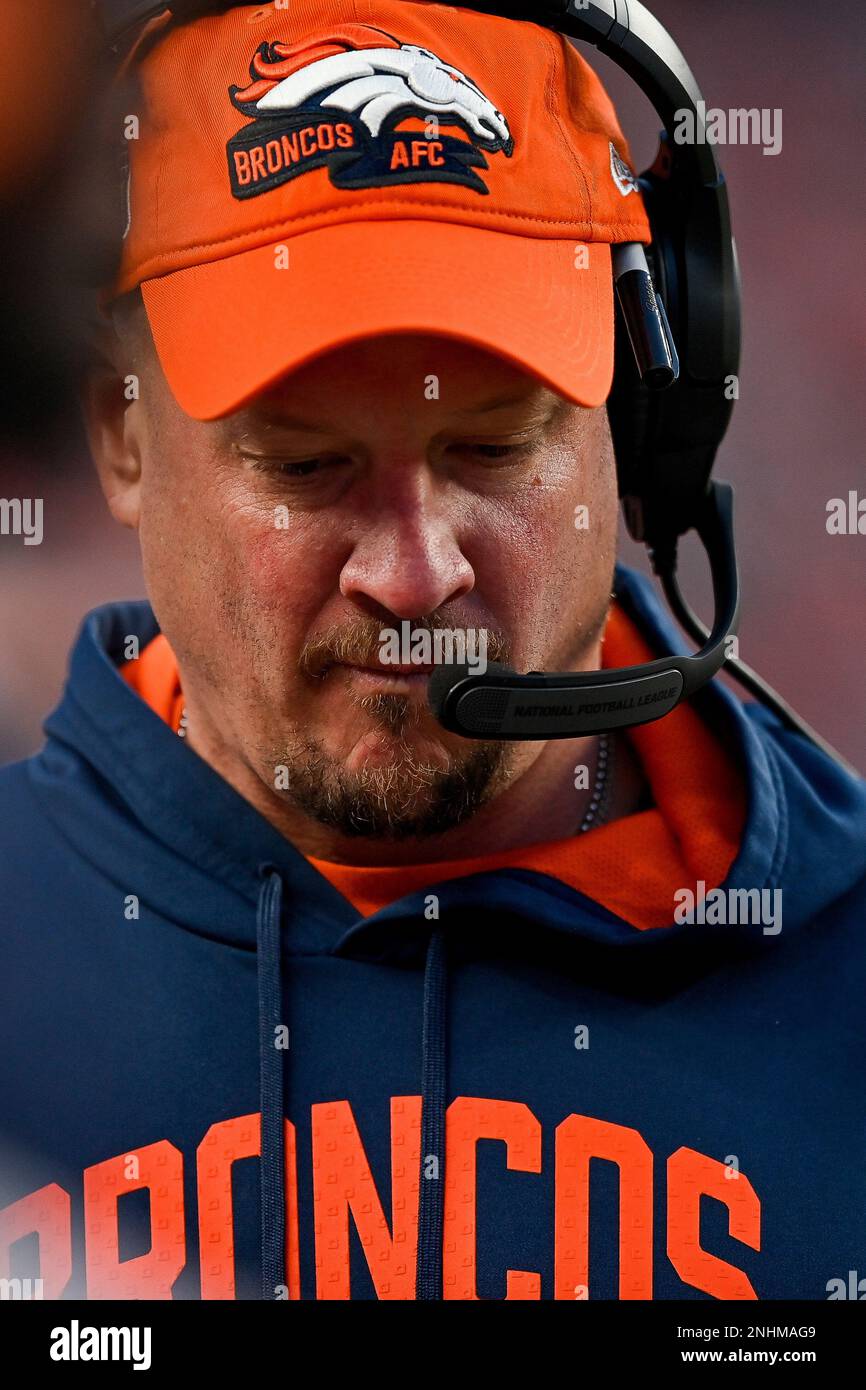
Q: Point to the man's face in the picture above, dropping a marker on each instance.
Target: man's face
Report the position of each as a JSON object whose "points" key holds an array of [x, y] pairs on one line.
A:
{"points": [[402, 478]]}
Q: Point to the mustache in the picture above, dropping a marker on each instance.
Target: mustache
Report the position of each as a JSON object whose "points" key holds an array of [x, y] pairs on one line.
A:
{"points": [[359, 643]]}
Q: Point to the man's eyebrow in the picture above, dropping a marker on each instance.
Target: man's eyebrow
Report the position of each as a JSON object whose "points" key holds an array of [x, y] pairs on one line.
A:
{"points": [[267, 422], [544, 408], [264, 424]]}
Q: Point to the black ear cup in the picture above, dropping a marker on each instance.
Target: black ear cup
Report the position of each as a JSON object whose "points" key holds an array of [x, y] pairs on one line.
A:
{"points": [[666, 441]]}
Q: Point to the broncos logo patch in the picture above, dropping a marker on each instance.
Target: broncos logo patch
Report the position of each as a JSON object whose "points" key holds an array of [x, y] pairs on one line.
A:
{"points": [[345, 101]]}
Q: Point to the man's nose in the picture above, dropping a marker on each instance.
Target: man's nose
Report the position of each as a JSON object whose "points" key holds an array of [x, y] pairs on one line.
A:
{"points": [[408, 561]]}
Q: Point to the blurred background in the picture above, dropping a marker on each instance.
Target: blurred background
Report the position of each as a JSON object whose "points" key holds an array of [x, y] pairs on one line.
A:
{"points": [[797, 435]]}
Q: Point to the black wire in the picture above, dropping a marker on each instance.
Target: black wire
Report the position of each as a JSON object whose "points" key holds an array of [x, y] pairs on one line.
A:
{"points": [[665, 568]]}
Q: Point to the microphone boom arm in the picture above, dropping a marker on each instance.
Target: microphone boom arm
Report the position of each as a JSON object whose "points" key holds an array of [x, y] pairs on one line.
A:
{"points": [[502, 704]]}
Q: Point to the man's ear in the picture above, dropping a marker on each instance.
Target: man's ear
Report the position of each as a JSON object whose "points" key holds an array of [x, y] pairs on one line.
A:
{"points": [[113, 421]]}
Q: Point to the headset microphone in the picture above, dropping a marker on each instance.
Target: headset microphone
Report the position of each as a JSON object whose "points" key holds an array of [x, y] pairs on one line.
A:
{"points": [[502, 704]]}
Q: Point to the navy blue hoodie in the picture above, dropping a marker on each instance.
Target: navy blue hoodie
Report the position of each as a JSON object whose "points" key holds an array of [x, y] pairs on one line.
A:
{"points": [[221, 1080]]}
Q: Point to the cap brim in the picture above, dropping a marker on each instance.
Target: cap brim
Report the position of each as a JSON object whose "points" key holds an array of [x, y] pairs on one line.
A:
{"points": [[227, 329]]}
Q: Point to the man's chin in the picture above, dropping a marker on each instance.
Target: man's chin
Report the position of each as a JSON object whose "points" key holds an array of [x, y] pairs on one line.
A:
{"points": [[383, 748], [383, 730], [393, 785]]}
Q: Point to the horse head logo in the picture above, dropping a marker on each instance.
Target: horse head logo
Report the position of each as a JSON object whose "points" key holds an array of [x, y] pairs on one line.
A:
{"points": [[378, 85]]}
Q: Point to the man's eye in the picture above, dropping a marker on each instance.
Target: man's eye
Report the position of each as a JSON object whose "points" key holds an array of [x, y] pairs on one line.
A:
{"points": [[492, 451], [298, 470], [496, 451], [292, 468]]}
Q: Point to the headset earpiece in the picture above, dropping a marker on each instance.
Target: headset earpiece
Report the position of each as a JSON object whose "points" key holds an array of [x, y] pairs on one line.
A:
{"points": [[666, 441]]}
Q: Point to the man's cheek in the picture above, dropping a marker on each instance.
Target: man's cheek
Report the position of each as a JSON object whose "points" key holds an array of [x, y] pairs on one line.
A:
{"points": [[252, 553], [282, 583]]}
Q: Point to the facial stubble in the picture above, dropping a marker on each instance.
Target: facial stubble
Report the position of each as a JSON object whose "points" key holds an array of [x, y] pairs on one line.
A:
{"points": [[408, 797]]}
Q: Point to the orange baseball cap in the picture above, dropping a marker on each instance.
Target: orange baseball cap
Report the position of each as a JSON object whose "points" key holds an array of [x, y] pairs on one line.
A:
{"points": [[311, 174]]}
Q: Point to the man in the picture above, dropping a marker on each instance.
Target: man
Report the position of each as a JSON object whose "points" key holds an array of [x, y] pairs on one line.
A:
{"points": [[303, 995]]}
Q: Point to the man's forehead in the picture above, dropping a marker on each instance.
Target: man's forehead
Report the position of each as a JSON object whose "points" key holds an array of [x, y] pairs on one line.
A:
{"points": [[289, 407]]}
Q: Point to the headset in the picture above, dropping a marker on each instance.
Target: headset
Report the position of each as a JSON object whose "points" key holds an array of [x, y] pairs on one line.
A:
{"points": [[677, 355]]}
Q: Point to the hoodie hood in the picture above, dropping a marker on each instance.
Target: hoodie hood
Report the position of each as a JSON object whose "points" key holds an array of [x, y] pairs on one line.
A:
{"points": [[132, 802]]}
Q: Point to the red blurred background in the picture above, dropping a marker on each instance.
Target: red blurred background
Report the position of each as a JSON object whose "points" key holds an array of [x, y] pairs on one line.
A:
{"points": [[796, 439]]}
